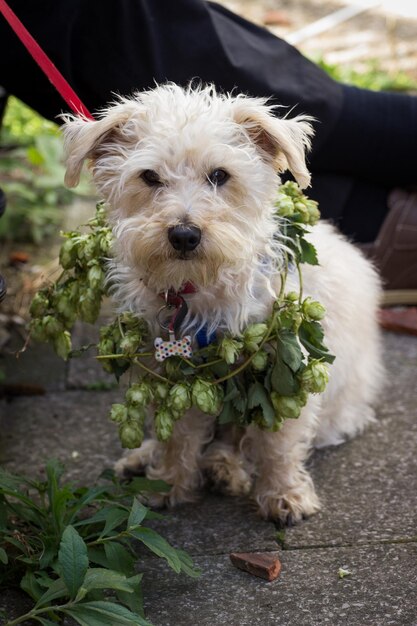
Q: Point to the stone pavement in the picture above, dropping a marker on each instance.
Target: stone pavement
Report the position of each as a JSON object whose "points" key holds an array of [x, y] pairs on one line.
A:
{"points": [[368, 522]]}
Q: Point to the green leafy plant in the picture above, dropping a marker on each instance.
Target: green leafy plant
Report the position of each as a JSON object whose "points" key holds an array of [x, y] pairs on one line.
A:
{"points": [[371, 77], [70, 548], [32, 175], [263, 376], [21, 124]]}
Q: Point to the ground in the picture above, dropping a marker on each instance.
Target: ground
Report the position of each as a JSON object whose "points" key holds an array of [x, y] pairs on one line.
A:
{"points": [[367, 523]]}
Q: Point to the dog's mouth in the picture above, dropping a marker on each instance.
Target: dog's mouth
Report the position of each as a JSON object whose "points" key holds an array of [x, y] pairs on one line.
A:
{"points": [[184, 256]]}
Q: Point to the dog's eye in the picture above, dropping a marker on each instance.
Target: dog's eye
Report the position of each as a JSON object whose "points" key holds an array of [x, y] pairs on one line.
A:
{"points": [[151, 178], [218, 177]]}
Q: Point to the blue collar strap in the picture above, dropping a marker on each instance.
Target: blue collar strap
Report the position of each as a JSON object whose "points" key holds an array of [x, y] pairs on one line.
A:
{"points": [[204, 338]]}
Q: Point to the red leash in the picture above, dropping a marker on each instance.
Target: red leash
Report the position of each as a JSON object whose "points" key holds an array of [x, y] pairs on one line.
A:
{"points": [[45, 63]]}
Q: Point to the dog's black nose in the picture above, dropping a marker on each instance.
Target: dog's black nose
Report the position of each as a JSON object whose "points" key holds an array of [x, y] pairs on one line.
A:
{"points": [[184, 238]]}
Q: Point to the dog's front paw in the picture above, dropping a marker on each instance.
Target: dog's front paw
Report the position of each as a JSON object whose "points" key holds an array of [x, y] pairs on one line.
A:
{"points": [[291, 507], [136, 461], [224, 470], [176, 495]]}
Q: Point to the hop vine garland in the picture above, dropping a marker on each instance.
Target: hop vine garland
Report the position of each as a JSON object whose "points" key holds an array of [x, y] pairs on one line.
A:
{"points": [[262, 376]]}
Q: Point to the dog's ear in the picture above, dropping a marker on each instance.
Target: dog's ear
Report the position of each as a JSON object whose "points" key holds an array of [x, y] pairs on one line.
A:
{"points": [[284, 142], [87, 139]]}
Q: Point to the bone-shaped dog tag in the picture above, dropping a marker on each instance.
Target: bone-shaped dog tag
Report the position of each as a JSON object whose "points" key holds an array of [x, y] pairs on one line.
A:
{"points": [[173, 347]]}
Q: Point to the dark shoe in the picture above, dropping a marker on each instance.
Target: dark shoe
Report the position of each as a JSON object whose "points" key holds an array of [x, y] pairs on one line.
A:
{"points": [[395, 249], [2, 202], [3, 288]]}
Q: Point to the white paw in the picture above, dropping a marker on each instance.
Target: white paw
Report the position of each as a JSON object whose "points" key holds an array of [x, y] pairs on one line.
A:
{"points": [[290, 507]]}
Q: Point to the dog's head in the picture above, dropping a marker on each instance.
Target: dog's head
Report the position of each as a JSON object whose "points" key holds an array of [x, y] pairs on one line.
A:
{"points": [[190, 176]]}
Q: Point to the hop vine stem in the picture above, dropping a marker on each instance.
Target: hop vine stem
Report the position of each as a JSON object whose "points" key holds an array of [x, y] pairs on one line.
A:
{"points": [[300, 282]]}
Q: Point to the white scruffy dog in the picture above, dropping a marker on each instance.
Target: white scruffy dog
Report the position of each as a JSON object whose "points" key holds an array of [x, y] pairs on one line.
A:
{"points": [[191, 178]]}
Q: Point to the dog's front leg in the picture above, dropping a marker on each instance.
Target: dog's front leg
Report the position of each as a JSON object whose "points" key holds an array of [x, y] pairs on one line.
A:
{"points": [[177, 461], [283, 488]]}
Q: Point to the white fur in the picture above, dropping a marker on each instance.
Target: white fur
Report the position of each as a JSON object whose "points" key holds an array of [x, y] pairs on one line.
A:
{"points": [[184, 135]]}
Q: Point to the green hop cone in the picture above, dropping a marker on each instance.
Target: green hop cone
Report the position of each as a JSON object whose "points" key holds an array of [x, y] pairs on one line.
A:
{"points": [[179, 398], [229, 349], [161, 391], [207, 397], [286, 407], [118, 413], [114, 333], [315, 377], [89, 306], [136, 414], [313, 310], [88, 250], [105, 346], [101, 216], [164, 423], [106, 243], [290, 188], [313, 212], [285, 206], [40, 304], [128, 319], [291, 296], [139, 394], [253, 336], [37, 330], [302, 212], [65, 307], [68, 253], [130, 434], [52, 326], [74, 290], [130, 342], [62, 344], [260, 361], [95, 276]]}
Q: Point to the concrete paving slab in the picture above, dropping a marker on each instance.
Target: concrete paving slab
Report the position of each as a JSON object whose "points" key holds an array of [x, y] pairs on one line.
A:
{"points": [[72, 427], [38, 365], [381, 590], [85, 372], [217, 524], [368, 485], [367, 523]]}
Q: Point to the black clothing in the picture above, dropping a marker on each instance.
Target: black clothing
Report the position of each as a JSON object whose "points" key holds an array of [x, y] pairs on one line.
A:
{"points": [[119, 46]]}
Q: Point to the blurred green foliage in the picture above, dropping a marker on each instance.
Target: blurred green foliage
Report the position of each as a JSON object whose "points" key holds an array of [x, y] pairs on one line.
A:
{"points": [[372, 77], [31, 175], [21, 124]]}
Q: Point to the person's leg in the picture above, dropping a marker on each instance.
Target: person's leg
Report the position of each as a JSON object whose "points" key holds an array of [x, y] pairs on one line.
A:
{"points": [[374, 139], [370, 150]]}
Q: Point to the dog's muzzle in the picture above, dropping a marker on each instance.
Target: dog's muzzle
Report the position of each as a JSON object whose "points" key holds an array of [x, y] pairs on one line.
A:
{"points": [[184, 238]]}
